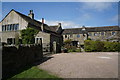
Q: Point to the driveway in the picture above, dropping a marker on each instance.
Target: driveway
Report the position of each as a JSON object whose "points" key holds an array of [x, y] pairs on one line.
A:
{"points": [[83, 65]]}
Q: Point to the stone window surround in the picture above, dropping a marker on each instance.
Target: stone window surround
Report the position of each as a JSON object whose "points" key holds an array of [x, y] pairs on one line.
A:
{"points": [[37, 39], [10, 27]]}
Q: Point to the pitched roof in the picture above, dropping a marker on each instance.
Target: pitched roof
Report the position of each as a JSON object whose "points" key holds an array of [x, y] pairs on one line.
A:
{"points": [[54, 28], [104, 28], [33, 22], [29, 20], [72, 31], [91, 29]]}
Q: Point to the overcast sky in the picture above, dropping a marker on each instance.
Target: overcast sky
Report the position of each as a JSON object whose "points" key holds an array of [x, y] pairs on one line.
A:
{"points": [[70, 14]]}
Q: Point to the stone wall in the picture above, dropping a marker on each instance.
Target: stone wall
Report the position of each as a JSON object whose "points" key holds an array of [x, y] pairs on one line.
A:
{"points": [[14, 18], [9, 34], [56, 43], [15, 58], [106, 35], [44, 36]]}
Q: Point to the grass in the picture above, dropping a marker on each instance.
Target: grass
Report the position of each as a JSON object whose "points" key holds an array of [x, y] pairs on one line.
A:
{"points": [[34, 72]]}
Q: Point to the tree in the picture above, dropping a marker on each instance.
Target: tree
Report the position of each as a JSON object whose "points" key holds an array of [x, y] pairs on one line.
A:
{"points": [[28, 35]]}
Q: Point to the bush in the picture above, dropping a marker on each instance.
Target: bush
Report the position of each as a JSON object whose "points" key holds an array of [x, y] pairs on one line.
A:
{"points": [[89, 46], [28, 35], [78, 50], [72, 48], [111, 46], [100, 46]]}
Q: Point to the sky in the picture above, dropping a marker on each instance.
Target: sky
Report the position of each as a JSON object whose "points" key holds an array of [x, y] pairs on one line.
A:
{"points": [[70, 14]]}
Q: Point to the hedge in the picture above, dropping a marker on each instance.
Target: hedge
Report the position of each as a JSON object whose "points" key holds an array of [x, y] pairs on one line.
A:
{"points": [[101, 46]]}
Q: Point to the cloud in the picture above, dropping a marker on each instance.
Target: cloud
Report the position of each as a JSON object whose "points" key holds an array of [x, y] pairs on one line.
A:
{"points": [[97, 6], [65, 24]]}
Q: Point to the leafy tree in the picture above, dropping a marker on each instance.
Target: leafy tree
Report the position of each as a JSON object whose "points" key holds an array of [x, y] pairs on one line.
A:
{"points": [[28, 35]]}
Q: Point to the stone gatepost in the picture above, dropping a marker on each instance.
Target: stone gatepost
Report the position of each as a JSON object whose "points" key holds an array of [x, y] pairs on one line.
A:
{"points": [[54, 47]]}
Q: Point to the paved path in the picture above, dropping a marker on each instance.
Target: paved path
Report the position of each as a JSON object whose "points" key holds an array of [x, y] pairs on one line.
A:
{"points": [[83, 65]]}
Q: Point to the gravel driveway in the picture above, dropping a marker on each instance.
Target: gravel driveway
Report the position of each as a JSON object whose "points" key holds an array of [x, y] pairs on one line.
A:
{"points": [[83, 65]]}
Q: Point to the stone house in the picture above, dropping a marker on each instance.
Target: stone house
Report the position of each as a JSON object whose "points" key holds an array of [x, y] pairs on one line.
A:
{"points": [[78, 35], [15, 21]]}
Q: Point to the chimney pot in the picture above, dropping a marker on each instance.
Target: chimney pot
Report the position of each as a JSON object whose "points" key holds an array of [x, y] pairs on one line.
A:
{"points": [[59, 24], [31, 14], [43, 20]]}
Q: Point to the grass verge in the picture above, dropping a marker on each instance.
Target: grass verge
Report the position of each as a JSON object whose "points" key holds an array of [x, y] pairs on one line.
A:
{"points": [[34, 72]]}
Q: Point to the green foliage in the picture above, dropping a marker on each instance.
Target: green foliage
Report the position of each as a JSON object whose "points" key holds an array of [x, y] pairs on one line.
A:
{"points": [[89, 46], [89, 39], [69, 47], [72, 49], [78, 50], [28, 35], [100, 46], [68, 41], [112, 46]]}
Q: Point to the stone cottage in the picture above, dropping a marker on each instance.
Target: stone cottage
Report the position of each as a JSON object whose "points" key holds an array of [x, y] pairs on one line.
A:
{"points": [[104, 33], [15, 21]]}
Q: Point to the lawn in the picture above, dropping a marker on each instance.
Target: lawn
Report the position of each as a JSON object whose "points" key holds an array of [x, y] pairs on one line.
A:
{"points": [[34, 72]]}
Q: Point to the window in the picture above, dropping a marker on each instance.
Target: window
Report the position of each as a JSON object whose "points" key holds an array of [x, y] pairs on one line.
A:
{"points": [[89, 34], [10, 27], [17, 27], [71, 35], [14, 27], [10, 41], [113, 33], [38, 40], [78, 36], [3, 28], [65, 36], [102, 33], [95, 34]]}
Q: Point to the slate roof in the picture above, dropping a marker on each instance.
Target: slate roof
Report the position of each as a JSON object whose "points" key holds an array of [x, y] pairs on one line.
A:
{"points": [[72, 31], [54, 28], [91, 29], [104, 28], [37, 24]]}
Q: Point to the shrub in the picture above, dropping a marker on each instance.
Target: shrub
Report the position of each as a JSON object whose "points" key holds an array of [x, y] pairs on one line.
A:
{"points": [[89, 46], [28, 35], [68, 41], [100, 46], [78, 50], [89, 39]]}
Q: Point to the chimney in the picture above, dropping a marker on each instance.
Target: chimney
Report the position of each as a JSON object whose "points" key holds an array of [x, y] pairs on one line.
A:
{"points": [[31, 14], [42, 20], [42, 27], [59, 24]]}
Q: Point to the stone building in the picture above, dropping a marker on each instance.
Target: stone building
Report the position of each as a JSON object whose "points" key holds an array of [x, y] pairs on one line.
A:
{"points": [[105, 33], [15, 21]]}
